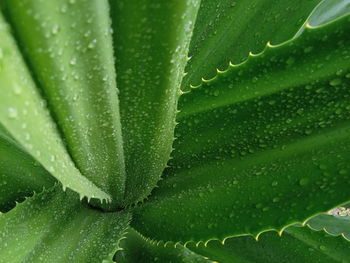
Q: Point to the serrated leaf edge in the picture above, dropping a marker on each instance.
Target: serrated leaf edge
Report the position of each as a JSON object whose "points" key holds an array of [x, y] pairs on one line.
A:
{"points": [[268, 45]]}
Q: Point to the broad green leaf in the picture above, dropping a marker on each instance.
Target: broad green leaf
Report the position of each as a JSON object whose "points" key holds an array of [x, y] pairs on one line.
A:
{"points": [[296, 244], [329, 10], [24, 115], [55, 227], [325, 12], [20, 175], [260, 146], [151, 41], [228, 30], [69, 47], [135, 248], [332, 224]]}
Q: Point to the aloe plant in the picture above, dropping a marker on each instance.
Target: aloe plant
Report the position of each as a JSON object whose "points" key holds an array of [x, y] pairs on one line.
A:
{"points": [[174, 131]]}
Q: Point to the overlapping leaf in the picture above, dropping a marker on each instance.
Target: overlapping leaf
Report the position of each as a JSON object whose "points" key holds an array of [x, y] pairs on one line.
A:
{"points": [[55, 227], [228, 30], [151, 41], [332, 224], [135, 248], [69, 48], [297, 244], [24, 114], [262, 145], [20, 175], [326, 11]]}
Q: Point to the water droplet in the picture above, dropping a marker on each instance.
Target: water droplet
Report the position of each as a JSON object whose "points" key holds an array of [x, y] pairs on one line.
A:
{"points": [[27, 136], [73, 61], [12, 113], [55, 29], [290, 61], [275, 200], [322, 166], [17, 89], [308, 49], [303, 181], [92, 44], [259, 205], [343, 171], [274, 183], [335, 82], [308, 131]]}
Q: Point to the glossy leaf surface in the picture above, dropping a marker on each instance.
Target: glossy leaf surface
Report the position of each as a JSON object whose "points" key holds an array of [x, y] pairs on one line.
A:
{"points": [[69, 47], [326, 11], [260, 146], [332, 224], [20, 174], [23, 113], [228, 30], [54, 226], [297, 244], [151, 41], [136, 248]]}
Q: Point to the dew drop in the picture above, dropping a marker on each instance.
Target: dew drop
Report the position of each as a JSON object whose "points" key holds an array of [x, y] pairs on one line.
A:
{"points": [[17, 89], [265, 209], [275, 200], [73, 61], [343, 171], [308, 131], [274, 183], [322, 166], [335, 82], [12, 113], [303, 181], [92, 44], [27, 136], [55, 29]]}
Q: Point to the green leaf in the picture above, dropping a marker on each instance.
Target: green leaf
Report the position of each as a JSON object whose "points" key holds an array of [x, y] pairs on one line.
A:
{"points": [[228, 30], [24, 114], [326, 12], [151, 42], [135, 248], [262, 145], [55, 227], [332, 224], [69, 47], [297, 244], [20, 174]]}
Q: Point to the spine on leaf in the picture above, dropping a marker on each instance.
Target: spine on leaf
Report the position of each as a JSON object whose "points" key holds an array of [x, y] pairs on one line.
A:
{"points": [[71, 55], [24, 115], [151, 44]]}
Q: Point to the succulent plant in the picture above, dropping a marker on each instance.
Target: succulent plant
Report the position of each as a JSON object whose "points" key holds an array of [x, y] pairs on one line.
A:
{"points": [[151, 131]]}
